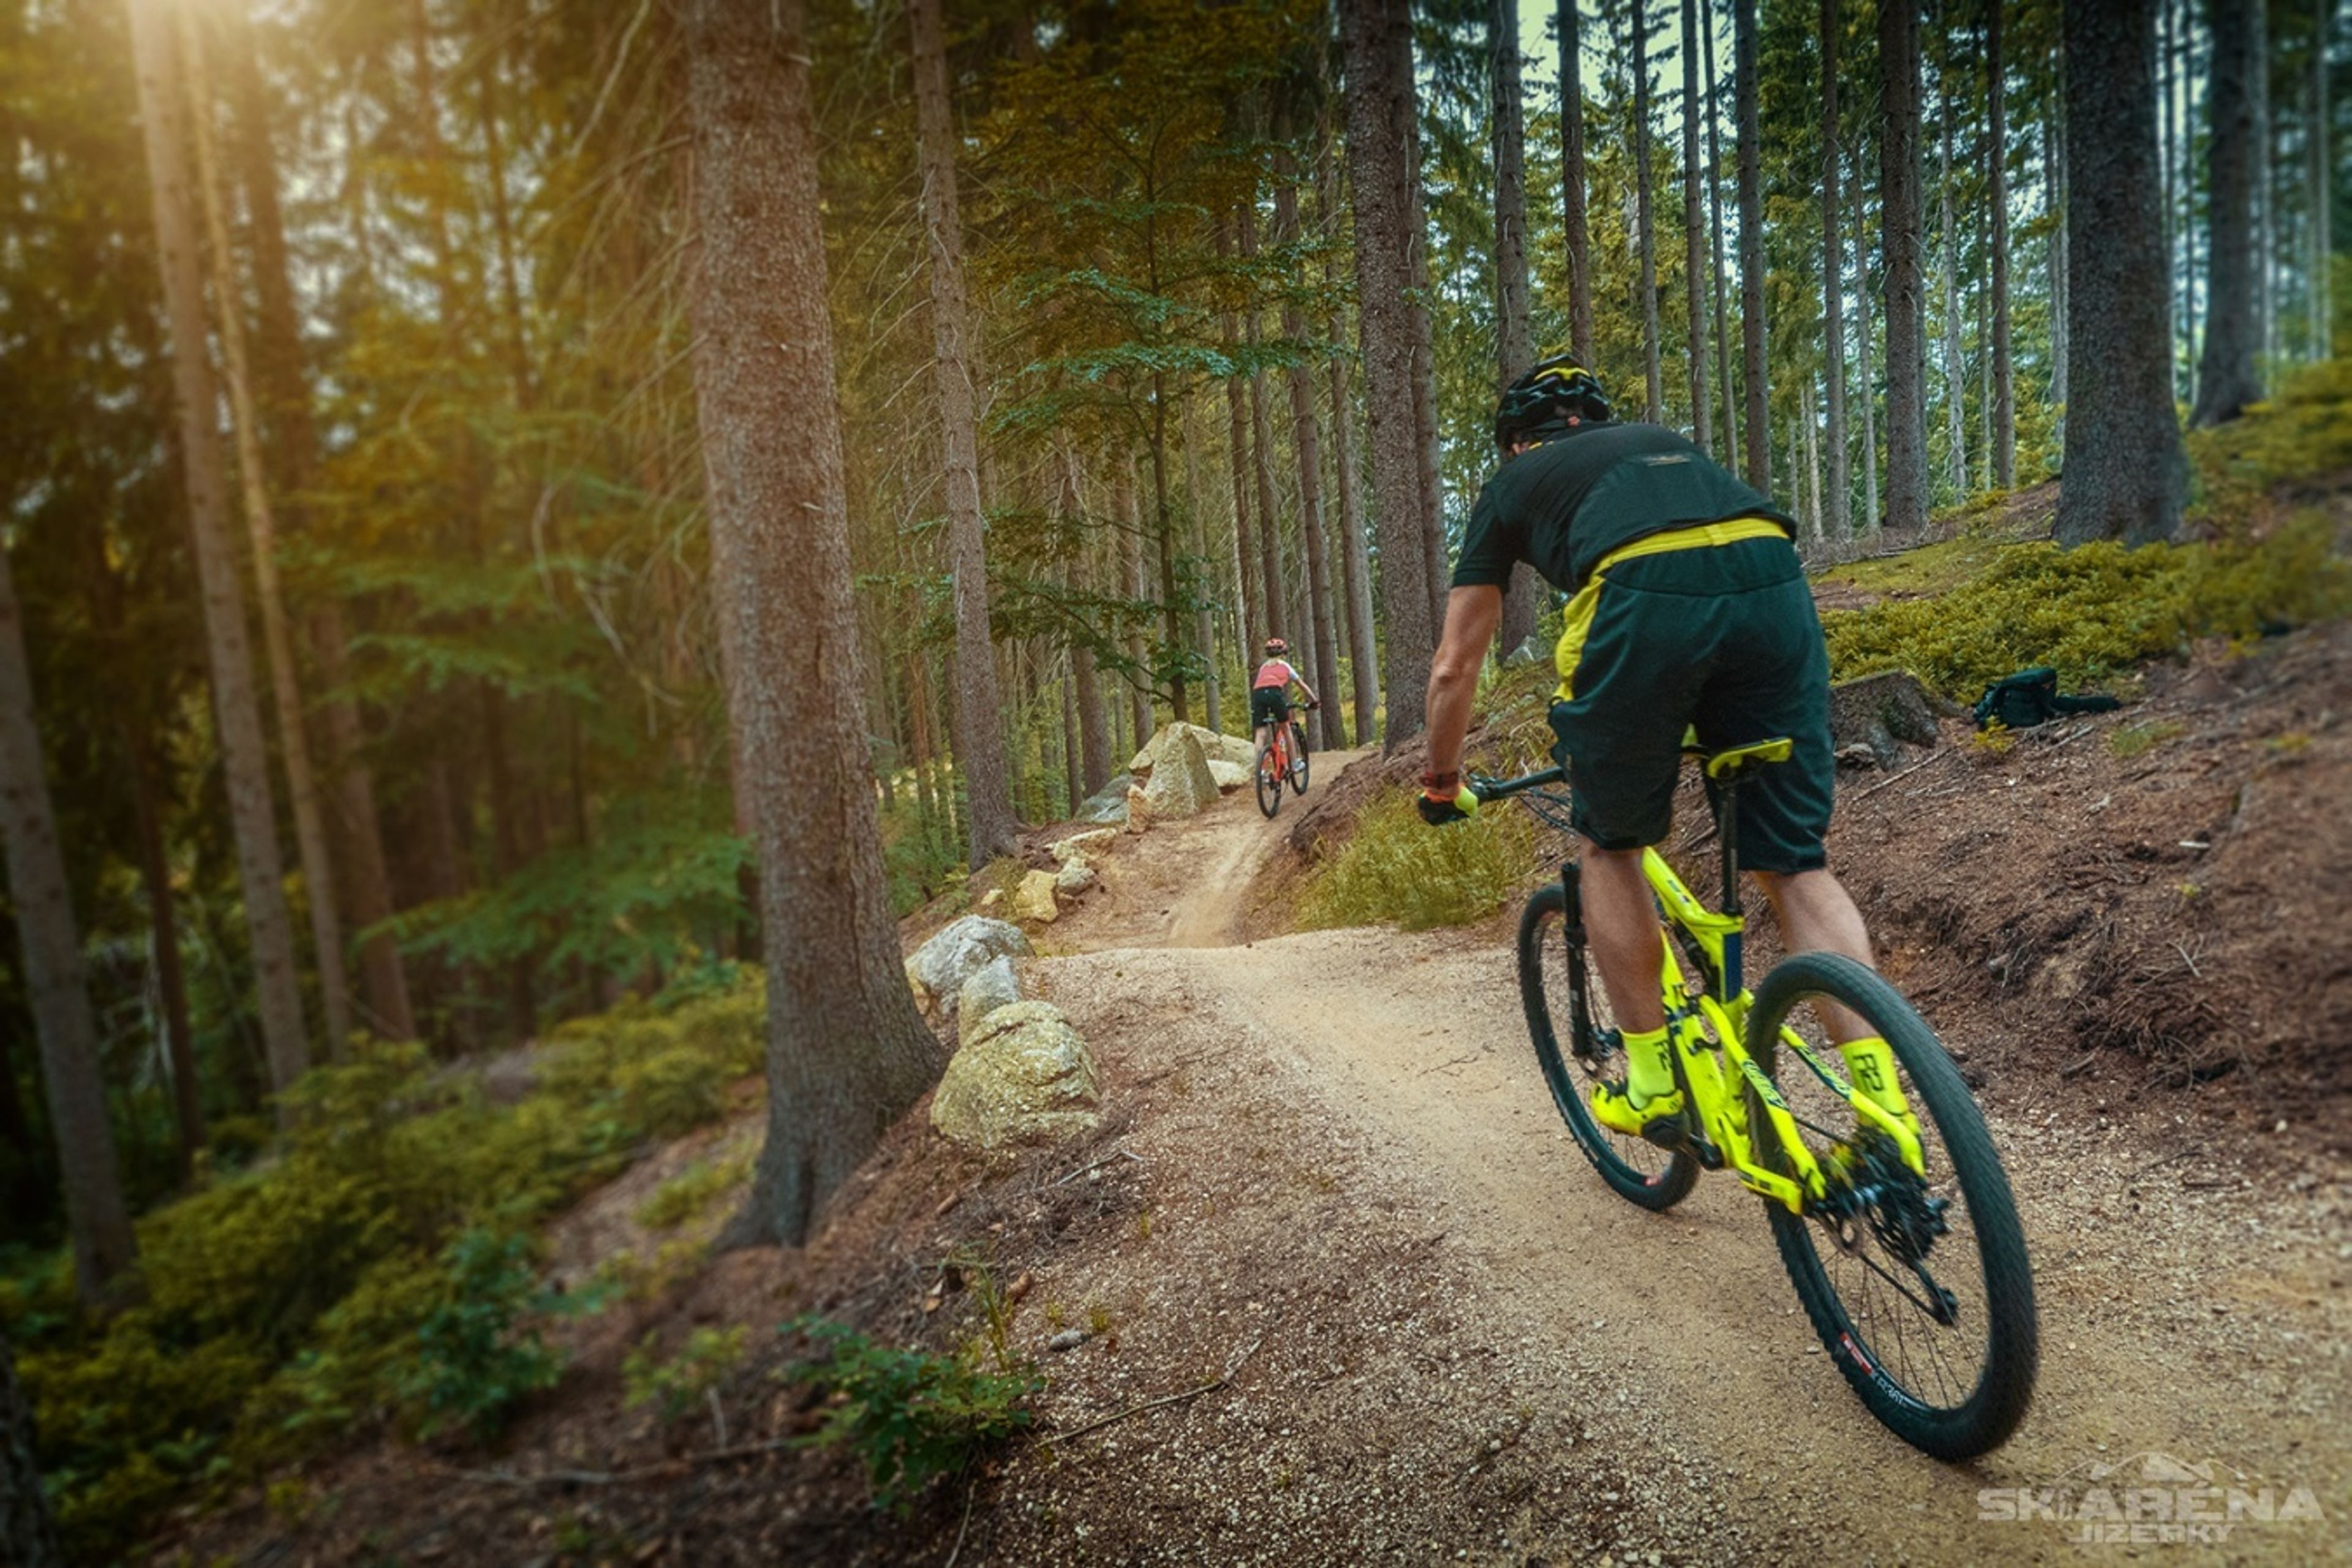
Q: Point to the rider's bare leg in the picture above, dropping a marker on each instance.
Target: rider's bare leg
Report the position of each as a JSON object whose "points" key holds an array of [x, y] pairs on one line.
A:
{"points": [[1817, 915], [1622, 925]]}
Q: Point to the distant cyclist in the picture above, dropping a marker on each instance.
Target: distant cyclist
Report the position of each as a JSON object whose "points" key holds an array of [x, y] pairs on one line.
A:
{"points": [[1689, 609], [1270, 693]]}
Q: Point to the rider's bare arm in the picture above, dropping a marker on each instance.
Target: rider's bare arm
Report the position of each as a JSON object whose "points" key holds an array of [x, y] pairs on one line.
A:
{"points": [[1472, 614]]}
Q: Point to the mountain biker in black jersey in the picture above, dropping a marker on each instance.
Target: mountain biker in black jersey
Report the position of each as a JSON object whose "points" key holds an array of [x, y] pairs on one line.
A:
{"points": [[1688, 611]]}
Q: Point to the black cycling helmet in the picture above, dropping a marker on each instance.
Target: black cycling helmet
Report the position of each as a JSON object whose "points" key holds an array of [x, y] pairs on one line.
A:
{"points": [[1555, 391]]}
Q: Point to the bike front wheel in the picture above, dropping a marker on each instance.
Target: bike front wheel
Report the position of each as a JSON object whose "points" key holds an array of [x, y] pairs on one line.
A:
{"points": [[1919, 1285], [1298, 759], [1552, 975]]}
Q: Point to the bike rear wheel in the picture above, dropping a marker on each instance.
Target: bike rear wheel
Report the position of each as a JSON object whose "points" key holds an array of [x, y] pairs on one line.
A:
{"points": [[1269, 781], [1920, 1288], [1552, 971], [1298, 758]]}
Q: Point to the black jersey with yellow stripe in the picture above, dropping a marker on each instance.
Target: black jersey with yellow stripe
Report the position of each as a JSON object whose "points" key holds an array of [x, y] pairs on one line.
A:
{"points": [[1563, 506]]}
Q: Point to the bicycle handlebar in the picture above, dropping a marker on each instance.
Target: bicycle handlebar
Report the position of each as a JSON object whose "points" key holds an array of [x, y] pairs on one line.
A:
{"points": [[1487, 789]]}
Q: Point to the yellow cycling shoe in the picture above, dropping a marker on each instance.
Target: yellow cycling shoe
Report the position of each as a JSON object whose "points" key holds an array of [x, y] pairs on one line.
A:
{"points": [[1658, 1119]]}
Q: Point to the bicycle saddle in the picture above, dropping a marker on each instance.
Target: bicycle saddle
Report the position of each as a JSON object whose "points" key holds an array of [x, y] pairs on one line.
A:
{"points": [[1724, 765]]}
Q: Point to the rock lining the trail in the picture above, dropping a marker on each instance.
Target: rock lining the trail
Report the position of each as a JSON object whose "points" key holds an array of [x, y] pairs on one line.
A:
{"points": [[992, 986], [1025, 1075], [939, 967], [1181, 783]]}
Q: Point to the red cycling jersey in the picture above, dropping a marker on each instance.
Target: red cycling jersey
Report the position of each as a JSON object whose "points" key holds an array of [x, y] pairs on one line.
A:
{"points": [[1274, 675]]}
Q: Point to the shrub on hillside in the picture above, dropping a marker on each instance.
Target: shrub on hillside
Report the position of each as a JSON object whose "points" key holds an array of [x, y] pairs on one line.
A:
{"points": [[2096, 610], [1398, 870], [320, 1288]]}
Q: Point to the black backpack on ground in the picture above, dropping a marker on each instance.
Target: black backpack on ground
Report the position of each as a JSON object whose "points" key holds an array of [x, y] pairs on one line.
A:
{"points": [[2030, 696]]}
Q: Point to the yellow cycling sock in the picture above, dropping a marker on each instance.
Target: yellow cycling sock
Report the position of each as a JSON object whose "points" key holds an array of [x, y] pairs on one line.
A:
{"points": [[1649, 1067], [1871, 1060]]}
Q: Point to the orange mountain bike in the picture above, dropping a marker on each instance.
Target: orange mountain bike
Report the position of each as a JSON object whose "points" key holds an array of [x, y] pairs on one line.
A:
{"points": [[1284, 759]]}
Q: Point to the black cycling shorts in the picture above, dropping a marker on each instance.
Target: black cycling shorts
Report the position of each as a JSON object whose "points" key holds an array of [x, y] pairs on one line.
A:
{"points": [[1721, 639], [1269, 705]]}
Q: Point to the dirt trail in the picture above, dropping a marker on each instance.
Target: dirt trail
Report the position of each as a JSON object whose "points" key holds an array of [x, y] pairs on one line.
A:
{"points": [[2184, 1312]]}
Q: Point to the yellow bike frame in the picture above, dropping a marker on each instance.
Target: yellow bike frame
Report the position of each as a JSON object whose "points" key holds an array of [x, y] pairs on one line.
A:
{"points": [[1703, 1024]]}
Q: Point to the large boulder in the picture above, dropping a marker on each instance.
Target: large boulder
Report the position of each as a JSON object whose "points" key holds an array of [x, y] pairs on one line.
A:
{"points": [[942, 965], [1214, 745], [1106, 805], [991, 986], [1230, 777], [1032, 901], [1078, 846], [1075, 878], [1024, 1077], [1181, 783]]}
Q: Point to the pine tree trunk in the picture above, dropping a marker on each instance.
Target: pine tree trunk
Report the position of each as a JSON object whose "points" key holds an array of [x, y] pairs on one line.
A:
{"points": [[283, 393], [2226, 377], [1836, 522], [988, 788], [1901, 221], [1693, 240], [2168, 54], [1956, 374], [1355, 562], [2055, 152], [1163, 532], [1572, 180], [1514, 339], [1653, 407], [1812, 456], [1379, 104], [1307, 440], [294, 746], [2126, 471], [1131, 584], [29, 1536], [1257, 618], [2004, 380], [846, 1053], [2323, 177], [1424, 349], [244, 754], [1204, 623], [55, 986], [1094, 742], [1269, 533], [1867, 384], [1751, 246], [1715, 237], [2265, 196]]}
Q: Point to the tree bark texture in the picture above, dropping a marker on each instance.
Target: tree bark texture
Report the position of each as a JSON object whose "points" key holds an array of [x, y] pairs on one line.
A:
{"points": [[244, 754], [2004, 379], [1573, 181], [2227, 380], [282, 390], [1306, 441], [29, 1535], [293, 738], [1901, 225], [55, 985], [2055, 172], [2125, 469], [988, 787], [2323, 174], [1714, 237], [1257, 618], [1653, 406], [1424, 347], [1693, 240], [1752, 247], [1129, 517], [1379, 104], [1355, 560], [846, 1052], [1093, 740], [1956, 374], [1269, 511], [1204, 623], [1865, 383], [1836, 521], [1514, 339]]}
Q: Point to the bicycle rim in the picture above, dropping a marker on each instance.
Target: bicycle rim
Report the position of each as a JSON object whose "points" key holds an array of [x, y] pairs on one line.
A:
{"points": [[1269, 784], [1639, 1172], [1298, 764], [1920, 1288]]}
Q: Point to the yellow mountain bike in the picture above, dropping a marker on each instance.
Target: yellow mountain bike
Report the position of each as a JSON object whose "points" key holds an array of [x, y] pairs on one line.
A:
{"points": [[1903, 1245]]}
